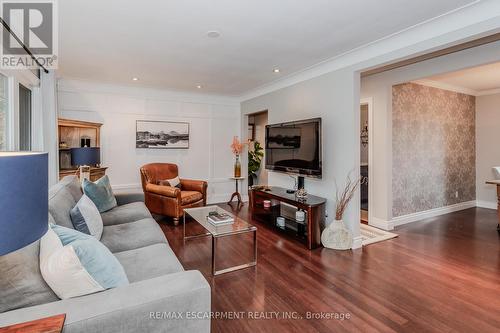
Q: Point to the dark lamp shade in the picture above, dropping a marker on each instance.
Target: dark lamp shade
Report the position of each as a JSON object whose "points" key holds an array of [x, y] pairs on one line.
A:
{"points": [[85, 156], [24, 204]]}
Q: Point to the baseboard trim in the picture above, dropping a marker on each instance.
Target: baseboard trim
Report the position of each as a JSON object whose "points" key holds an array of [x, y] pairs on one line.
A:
{"points": [[400, 220], [381, 224], [222, 198], [357, 242], [487, 204], [124, 187], [211, 199]]}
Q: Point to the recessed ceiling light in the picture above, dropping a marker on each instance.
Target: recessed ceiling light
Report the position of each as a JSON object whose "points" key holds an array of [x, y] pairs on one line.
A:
{"points": [[276, 70], [135, 79], [213, 34], [198, 86]]}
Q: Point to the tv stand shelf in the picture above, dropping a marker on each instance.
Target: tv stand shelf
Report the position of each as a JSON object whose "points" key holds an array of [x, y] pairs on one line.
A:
{"points": [[308, 232]]}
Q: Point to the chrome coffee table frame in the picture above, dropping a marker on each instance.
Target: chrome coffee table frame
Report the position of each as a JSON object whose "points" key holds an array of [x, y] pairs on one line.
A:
{"points": [[223, 233]]}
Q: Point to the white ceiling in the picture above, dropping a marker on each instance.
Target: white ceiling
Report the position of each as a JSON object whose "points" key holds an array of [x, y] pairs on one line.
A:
{"points": [[482, 80], [164, 43]]}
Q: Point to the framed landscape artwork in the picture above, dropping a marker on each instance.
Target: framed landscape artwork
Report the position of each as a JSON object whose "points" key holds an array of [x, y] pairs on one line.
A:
{"points": [[161, 134]]}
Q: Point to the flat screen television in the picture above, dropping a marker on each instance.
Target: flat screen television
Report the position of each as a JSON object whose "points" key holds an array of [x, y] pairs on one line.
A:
{"points": [[295, 147]]}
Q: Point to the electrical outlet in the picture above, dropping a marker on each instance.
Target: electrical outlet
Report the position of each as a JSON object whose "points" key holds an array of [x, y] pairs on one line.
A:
{"points": [[456, 194]]}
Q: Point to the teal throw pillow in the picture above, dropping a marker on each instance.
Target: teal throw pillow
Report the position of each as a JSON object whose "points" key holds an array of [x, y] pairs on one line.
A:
{"points": [[100, 193]]}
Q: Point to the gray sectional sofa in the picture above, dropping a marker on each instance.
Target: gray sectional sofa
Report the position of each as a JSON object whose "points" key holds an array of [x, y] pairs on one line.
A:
{"points": [[161, 296]]}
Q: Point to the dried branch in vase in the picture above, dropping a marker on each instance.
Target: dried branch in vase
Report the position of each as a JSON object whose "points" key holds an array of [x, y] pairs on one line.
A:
{"points": [[344, 197]]}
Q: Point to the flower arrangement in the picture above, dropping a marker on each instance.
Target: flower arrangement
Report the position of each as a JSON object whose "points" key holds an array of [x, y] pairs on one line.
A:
{"points": [[237, 146]]}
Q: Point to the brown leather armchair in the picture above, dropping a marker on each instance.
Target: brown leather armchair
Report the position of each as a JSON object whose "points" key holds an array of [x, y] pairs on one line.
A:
{"points": [[168, 200]]}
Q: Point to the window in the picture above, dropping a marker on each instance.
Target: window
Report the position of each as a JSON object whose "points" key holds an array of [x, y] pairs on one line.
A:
{"points": [[24, 118], [4, 112]]}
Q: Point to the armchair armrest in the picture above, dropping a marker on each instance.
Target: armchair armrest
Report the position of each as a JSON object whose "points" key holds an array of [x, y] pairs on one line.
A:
{"points": [[194, 185], [167, 191], [178, 302]]}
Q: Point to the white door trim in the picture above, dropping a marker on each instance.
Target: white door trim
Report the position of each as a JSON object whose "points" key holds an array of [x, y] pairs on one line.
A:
{"points": [[369, 101]]}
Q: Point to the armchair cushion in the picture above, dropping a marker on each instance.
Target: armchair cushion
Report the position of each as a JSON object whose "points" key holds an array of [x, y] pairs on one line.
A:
{"points": [[167, 191], [188, 197]]}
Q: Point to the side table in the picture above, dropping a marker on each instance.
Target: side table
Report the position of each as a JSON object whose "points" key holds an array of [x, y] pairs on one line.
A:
{"points": [[52, 324], [236, 193]]}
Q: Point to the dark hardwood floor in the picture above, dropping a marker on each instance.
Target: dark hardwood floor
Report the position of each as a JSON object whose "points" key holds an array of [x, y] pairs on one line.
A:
{"points": [[439, 275]]}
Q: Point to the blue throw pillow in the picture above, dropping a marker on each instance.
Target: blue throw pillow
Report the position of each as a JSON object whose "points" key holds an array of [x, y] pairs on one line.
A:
{"points": [[86, 217], [75, 264], [100, 193]]}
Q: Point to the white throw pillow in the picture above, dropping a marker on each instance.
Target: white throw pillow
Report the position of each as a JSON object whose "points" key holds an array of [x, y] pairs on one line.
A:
{"points": [[60, 268], [86, 217], [83, 266], [174, 182]]}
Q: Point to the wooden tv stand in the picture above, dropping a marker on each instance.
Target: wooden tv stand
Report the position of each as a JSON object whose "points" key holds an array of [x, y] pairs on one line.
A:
{"points": [[309, 232]]}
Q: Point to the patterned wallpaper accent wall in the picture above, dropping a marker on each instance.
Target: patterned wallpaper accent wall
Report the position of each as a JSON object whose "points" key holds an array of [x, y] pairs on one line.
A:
{"points": [[433, 144]]}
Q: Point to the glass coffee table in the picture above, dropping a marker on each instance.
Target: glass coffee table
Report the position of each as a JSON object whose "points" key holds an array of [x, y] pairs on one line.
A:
{"points": [[239, 226]]}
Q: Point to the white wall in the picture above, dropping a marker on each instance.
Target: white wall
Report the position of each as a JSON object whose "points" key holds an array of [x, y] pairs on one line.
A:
{"points": [[213, 123], [333, 97], [487, 147], [379, 87]]}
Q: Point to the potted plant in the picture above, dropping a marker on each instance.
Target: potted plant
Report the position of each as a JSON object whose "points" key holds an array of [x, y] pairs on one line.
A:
{"points": [[254, 160], [337, 236]]}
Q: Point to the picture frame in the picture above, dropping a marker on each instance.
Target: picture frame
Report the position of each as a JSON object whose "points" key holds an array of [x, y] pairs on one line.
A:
{"points": [[154, 134]]}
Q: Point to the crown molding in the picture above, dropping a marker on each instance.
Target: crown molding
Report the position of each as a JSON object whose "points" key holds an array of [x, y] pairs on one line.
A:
{"points": [[446, 86], [450, 87], [489, 92], [474, 20], [80, 85]]}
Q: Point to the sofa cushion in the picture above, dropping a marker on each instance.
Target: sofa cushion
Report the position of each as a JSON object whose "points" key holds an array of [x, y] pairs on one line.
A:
{"points": [[132, 235], [61, 201], [21, 283], [149, 262], [188, 197], [126, 213]]}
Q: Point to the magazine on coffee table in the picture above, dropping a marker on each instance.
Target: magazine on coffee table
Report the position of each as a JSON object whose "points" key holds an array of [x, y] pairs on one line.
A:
{"points": [[219, 218]]}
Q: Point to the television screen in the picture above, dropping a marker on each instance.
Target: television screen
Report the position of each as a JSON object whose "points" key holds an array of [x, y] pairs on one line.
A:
{"points": [[294, 147]]}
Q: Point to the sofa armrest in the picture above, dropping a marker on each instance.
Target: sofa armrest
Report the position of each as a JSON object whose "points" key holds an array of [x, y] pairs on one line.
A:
{"points": [[178, 302], [167, 191], [128, 197], [194, 185]]}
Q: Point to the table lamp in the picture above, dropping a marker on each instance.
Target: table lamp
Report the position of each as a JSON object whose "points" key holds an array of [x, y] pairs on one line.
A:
{"points": [[84, 157], [24, 203]]}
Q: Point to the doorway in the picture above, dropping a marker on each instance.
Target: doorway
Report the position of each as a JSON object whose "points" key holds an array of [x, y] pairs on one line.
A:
{"points": [[257, 174], [366, 157]]}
